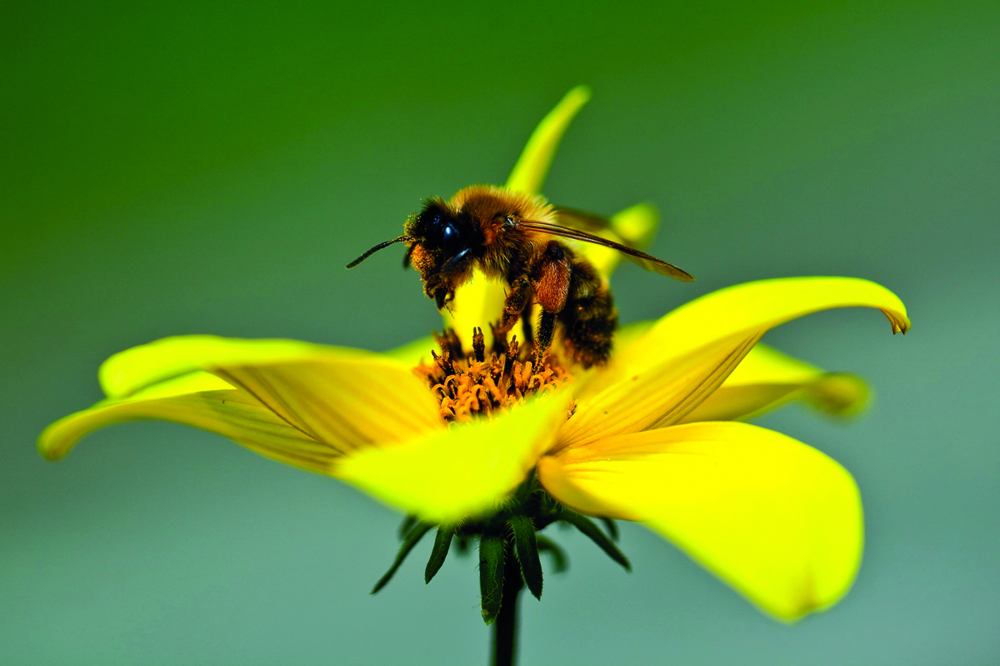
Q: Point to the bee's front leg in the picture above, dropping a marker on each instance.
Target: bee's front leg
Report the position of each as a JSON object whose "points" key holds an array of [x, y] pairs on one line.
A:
{"points": [[518, 298]]}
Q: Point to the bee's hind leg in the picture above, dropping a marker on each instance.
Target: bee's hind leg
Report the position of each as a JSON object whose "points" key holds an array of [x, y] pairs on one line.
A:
{"points": [[552, 274], [546, 330]]}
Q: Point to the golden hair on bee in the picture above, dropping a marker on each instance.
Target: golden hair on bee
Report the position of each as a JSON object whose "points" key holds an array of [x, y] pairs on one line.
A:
{"points": [[520, 240]]}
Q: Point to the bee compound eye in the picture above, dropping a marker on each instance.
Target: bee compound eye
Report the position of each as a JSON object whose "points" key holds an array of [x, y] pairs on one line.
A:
{"points": [[449, 238]]}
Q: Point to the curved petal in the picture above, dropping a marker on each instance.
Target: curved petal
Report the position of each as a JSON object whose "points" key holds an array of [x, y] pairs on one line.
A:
{"points": [[767, 379], [351, 402], [303, 412], [529, 173], [624, 336], [413, 353], [663, 375], [133, 369], [752, 308], [203, 401], [653, 397], [462, 471], [778, 520], [629, 333]]}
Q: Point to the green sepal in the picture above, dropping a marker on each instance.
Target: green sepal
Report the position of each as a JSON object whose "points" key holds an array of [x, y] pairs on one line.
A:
{"points": [[411, 540], [527, 553], [442, 542], [594, 533], [491, 567], [559, 560], [406, 526], [612, 527]]}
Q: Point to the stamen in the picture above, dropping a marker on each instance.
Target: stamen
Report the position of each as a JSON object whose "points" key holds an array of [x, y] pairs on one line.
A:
{"points": [[469, 384], [478, 345]]}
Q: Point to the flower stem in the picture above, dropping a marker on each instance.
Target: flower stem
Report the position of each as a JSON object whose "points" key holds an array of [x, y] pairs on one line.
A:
{"points": [[505, 626]]}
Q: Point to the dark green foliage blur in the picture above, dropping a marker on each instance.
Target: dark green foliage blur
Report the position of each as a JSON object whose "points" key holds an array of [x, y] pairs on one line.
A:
{"points": [[172, 168]]}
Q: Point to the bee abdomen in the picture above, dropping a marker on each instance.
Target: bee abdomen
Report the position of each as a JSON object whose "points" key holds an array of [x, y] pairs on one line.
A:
{"points": [[589, 319]]}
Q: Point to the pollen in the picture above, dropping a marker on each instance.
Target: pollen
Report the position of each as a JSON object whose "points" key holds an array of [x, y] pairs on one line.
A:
{"points": [[475, 382]]}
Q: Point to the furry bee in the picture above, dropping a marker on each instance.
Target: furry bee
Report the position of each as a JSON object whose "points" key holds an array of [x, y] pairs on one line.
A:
{"points": [[518, 239]]}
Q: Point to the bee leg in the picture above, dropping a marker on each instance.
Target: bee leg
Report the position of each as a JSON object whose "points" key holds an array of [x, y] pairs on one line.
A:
{"points": [[517, 300], [552, 275], [546, 330]]}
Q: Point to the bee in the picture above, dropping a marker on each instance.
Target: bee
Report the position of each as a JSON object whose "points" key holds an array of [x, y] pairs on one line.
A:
{"points": [[519, 239]]}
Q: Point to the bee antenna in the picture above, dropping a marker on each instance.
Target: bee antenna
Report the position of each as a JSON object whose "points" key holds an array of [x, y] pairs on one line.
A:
{"points": [[378, 247]]}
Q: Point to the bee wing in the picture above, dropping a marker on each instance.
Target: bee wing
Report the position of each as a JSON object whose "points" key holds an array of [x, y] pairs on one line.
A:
{"points": [[649, 262], [581, 219]]}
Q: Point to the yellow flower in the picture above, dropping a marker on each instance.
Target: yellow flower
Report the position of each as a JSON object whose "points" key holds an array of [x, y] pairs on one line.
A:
{"points": [[776, 519]]}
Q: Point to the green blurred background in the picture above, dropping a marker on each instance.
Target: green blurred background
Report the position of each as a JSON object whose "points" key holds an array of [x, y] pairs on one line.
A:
{"points": [[209, 168]]}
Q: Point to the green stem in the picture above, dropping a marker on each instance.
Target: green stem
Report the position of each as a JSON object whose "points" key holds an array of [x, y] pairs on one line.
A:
{"points": [[505, 626]]}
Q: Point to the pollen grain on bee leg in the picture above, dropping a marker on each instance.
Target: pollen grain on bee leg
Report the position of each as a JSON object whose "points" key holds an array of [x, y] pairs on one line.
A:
{"points": [[472, 382]]}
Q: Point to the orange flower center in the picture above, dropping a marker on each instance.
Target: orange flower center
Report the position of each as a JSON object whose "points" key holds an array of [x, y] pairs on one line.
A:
{"points": [[477, 382]]}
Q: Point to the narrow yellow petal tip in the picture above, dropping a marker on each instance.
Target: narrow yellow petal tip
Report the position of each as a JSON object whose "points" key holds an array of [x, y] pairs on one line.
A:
{"points": [[839, 394], [529, 173], [60, 437], [898, 320], [49, 442], [767, 379], [636, 224]]}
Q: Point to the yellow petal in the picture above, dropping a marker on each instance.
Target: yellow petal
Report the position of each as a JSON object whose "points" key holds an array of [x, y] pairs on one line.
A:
{"points": [[766, 379], [462, 471], [203, 401], [529, 173], [303, 412], [778, 520], [414, 353], [624, 337], [629, 333], [349, 402], [133, 369], [636, 224], [655, 397], [751, 309], [663, 375], [477, 303]]}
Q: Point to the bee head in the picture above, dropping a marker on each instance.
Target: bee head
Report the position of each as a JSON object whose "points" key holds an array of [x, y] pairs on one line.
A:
{"points": [[446, 245]]}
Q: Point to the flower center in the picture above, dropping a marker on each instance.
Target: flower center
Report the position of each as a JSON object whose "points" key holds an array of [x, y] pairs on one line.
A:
{"points": [[477, 382]]}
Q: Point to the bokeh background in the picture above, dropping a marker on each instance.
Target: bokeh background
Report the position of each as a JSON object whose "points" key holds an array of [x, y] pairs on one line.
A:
{"points": [[190, 167]]}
